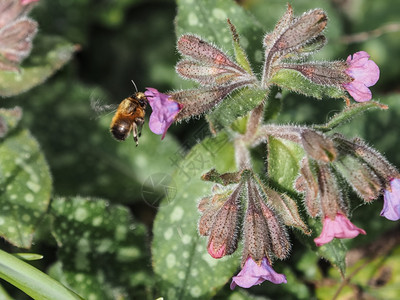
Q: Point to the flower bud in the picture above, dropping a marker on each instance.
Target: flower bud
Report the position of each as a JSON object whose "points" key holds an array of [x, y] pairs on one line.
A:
{"points": [[279, 236], [195, 102], [385, 170], [361, 177], [329, 193], [221, 224], [287, 209], [322, 73], [257, 241], [318, 146], [307, 183], [209, 207]]}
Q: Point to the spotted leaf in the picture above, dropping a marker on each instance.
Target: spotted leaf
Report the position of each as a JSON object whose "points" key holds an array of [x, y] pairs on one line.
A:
{"points": [[180, 257], [102, 252], [25, 183], [50, 55]]}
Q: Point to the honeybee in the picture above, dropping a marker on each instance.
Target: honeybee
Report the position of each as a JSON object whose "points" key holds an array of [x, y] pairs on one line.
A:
{"points": [[129, 117]]}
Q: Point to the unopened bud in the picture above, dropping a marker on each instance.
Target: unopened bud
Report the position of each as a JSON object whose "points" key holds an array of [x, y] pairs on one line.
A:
{"points": [[360, 176], [372, 157], [307, 183], [257, 241], [209, 207], [322, 73], [223, 234], [318, 146], [299, 32], [287, 209], [279, 236], [329, 193], [198, 49], [198, 101]]}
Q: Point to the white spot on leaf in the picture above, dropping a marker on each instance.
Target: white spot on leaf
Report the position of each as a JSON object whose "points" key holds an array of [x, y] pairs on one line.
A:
{"points": [[192, 19], [171, 260], [168, 233], [219, 14], [177, 214]]}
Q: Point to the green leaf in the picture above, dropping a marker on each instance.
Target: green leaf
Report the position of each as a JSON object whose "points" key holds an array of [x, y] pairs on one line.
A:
{"points": [[295, 81], [180, 256], [283, 162], [32, 281], [240, 53], [102, 250], [235, 106], [49, 54], [25, 186], [349, 113], [208, 18]]}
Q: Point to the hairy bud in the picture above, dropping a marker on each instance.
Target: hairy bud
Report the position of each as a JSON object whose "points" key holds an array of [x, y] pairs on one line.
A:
{"points": [[329, 193], [385, 170], [287, 209], [279, 236], [220, 222], [360, 176], [291, 35], [307, 183], [318, 146], [322, 73]]}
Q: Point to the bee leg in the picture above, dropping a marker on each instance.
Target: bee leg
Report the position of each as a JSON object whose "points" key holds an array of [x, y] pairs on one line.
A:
{"points": [[139, 122], [135, 134]]}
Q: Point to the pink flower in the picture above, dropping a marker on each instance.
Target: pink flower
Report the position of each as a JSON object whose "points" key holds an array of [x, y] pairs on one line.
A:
{"points": [[340, 228], [164, 111], [216, 253], [391, 205], [365, 74], [253, 274], [26, 2]]}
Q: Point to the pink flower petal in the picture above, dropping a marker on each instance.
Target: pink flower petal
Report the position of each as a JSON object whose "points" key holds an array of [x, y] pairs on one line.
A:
{"points": [[391, 205], [358, 91], [253, 274], [340, 227], [365, 73], [164, 111], [216, 253]]}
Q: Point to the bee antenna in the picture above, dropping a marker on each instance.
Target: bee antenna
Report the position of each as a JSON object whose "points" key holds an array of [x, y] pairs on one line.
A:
{"points": [[134, 84]]}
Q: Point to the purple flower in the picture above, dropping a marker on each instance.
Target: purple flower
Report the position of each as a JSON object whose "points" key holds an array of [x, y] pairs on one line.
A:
{"points": [[340, 227], [391, 205], [253, 274], [164, 111], [365, 74]]}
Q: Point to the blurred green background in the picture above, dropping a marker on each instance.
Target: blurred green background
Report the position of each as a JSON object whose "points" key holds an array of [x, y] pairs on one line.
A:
{"points": [[124, 40]]}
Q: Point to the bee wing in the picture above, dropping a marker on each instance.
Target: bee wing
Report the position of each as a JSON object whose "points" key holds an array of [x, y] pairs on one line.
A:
{"points": [[101, 109], [16, 39]]}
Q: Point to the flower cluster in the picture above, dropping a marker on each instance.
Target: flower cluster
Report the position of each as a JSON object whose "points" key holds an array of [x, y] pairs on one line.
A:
{"points": [[245, 208], [293, 38], [16, 32], [261, 227]]}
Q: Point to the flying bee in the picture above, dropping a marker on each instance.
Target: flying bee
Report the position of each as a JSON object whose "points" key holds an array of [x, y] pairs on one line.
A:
{"points": [[129, 117]]}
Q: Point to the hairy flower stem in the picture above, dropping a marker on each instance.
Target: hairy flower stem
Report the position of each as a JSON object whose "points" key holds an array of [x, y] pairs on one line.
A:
{"points": [[290, 133]]}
